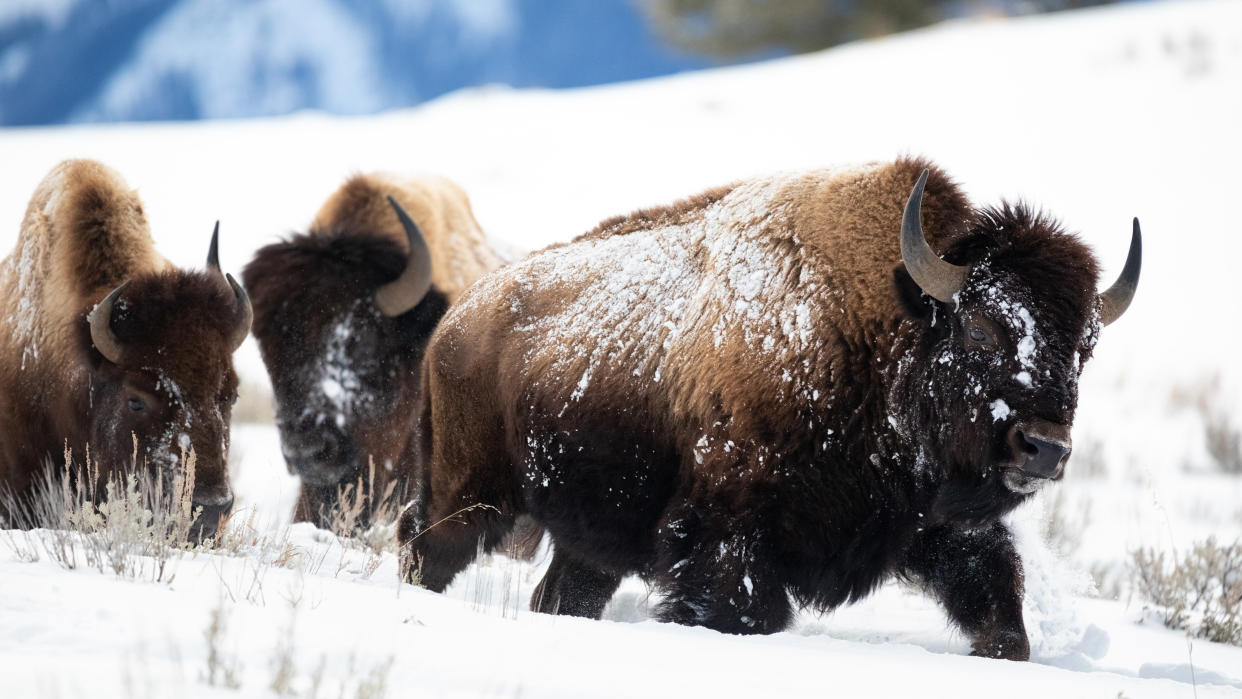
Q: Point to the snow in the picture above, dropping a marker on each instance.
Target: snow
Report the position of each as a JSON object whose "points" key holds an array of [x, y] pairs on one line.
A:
{"points": [[656, 306], [1000, 410], [340, 395], [1096, 116]]}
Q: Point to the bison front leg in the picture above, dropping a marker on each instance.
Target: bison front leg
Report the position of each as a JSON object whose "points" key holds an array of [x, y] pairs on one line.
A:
{"points": [[573, 588], [432, 554], [977, 576], [726, 583]]}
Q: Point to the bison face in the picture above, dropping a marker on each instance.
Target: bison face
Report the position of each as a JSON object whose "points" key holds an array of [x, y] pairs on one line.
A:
{"points": [[987, 372], [342, 320], [996, 378], [163, 385], [343, 387], [158, 416]]}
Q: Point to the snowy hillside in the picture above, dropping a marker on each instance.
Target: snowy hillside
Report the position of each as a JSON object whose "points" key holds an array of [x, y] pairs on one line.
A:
{"points": [[1097, 116], [139, 60]]}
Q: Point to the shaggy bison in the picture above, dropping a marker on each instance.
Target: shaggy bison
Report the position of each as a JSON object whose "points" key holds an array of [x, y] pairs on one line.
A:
{"points": [[773, 393], [107, 346], [342, 316]]}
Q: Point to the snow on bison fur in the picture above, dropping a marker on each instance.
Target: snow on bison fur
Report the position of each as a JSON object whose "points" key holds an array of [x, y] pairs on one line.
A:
{"points": [[148, 368], [750, 400], [343, 314]]}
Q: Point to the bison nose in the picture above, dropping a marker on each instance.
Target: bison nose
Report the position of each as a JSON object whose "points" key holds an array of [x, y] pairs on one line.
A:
{"points": [[319, 457], [213, 504], [1041, 447], [303, 450]]}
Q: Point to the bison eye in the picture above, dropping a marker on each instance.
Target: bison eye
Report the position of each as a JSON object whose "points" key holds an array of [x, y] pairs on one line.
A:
{"points": [[136, 405], [979, 336]]}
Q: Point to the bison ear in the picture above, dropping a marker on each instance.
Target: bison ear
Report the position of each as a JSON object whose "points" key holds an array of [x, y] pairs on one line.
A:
{"points": [[916, 304]]}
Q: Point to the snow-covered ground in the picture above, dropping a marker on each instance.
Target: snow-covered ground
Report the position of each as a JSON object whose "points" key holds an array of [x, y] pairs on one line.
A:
{"points": [[1096, 115]]}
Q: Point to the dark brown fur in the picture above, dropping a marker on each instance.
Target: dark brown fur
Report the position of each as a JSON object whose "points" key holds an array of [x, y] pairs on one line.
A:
{"points": [[744, 398], [85, 233], [316, 323]]}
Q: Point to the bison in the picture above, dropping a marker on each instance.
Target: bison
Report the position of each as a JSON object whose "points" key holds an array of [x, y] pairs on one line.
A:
{"points": [[771, 394], [342, 316], [109, 349]]}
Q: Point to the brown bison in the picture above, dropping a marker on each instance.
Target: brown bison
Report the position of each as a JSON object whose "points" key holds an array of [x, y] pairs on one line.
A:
{"points": [[773, 393], [107, 346], [342, 315]]}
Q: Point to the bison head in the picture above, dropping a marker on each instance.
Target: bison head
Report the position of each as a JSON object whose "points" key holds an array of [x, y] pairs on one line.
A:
{"points": [[163, 383], [988, 384], [342, 319]]}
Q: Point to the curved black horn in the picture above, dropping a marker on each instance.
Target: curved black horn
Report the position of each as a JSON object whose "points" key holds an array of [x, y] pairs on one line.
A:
{"points": [[404, 292], [213, 252], [245, 313], [1116, 299], [937, 278], [101, 327]]}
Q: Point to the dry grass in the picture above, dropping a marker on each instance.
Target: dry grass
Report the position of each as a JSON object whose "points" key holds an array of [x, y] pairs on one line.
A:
{"points": [[131, 523], [1223, 441], [1222, 436], [1200, 593], [364, 516], [222, 670]]}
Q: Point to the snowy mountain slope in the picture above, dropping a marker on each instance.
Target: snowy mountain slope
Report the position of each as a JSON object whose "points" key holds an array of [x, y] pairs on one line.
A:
{"points": [[1097, 115], [127, 60]]}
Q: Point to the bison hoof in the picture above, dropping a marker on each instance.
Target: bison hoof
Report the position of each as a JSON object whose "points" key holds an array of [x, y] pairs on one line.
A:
{"points": [[1003, 646]]}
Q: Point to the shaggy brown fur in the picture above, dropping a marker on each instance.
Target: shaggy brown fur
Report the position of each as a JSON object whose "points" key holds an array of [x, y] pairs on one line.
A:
{"points": [[460, 250], [345, 376], [84, 234], [744, 397]]}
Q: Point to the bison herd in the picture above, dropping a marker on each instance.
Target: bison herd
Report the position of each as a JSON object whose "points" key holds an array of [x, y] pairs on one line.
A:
{"points": [[774, 394]]}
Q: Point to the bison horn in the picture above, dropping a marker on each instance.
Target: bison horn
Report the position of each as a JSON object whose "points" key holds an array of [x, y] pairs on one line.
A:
{"points": [[213, 251], [245, 313], [101, 327], [937, 278], [1116, 299], [405, 292]]}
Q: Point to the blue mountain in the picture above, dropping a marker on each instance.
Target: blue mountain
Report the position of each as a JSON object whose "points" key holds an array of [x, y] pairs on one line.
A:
{"points": [[64, 61]]}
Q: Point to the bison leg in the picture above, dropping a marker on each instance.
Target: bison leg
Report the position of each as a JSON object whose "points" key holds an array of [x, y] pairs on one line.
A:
{"points": [[977, 576], [433, 554], [523, 541], [725, 583], [573, 588]]}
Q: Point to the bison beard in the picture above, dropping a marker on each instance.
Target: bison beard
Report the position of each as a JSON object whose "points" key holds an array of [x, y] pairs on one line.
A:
{"points": [[748, 400]]}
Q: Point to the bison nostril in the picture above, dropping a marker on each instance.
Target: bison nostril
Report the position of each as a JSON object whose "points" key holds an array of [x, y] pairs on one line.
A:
{"points": [[1039, 447], [1026, 445], [1046, 458]]}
